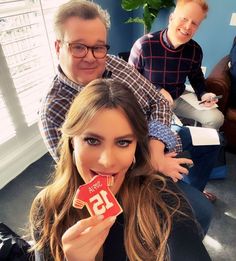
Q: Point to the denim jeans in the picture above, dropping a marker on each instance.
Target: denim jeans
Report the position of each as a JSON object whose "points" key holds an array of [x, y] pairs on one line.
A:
{"points": [[201, 206], [204, 159]]}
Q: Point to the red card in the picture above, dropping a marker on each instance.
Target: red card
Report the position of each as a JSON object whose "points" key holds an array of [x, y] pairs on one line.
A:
{"points": [[97, 197]]}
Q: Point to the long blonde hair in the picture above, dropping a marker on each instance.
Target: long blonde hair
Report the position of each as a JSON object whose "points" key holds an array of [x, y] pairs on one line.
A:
{"points": [[147, 203]]}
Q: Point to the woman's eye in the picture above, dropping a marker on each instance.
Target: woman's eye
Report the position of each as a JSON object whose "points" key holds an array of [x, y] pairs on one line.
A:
{"points": [[124, 143], [92, 141]]}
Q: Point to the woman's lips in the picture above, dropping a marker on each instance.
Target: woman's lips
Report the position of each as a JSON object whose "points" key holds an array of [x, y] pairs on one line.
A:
{"points": [[94, 173]]}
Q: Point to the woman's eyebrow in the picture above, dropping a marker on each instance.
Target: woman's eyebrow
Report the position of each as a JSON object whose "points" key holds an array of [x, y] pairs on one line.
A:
{"points": [[127, 136], [95, 135]]}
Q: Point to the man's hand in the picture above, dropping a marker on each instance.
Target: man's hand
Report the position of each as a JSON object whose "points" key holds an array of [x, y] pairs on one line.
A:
{"points": [[208, 99], [167, 164], [167, 95]]}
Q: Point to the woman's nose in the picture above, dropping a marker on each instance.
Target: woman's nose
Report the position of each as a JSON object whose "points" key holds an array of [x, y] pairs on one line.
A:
{"points": [[107, 158]]}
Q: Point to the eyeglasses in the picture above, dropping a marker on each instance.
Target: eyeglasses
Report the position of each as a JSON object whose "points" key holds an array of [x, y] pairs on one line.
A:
{"points": [[79, 50]]}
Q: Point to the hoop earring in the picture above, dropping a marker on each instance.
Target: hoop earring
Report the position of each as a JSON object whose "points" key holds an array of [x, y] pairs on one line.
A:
{"points": [[133, 163], [73, 157]]}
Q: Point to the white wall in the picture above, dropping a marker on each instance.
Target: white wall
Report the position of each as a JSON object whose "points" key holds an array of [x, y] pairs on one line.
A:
{"points": [[12, 164]]}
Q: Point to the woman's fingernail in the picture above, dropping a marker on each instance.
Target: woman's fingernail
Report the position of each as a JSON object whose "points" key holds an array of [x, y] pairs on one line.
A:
{"points": [[100, 217], [112, 219]]}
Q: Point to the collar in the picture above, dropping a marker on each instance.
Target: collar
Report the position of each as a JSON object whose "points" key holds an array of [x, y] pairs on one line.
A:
{"points": [[166, 40]]}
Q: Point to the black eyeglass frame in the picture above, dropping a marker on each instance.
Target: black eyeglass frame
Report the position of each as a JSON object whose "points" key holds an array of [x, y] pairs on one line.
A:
{"points": [[87, 48]]}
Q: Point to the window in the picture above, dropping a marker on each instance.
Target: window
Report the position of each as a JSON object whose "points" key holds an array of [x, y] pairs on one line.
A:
{"points": [[25, 47], [7, 128], [27, 65]]}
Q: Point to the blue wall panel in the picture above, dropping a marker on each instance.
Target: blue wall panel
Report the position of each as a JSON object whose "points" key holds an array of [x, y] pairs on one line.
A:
{"points": [[215, 34], [120, 35]]}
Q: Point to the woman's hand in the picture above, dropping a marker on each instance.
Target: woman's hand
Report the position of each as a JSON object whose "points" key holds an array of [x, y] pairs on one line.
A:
{"points": [[82, 241]]}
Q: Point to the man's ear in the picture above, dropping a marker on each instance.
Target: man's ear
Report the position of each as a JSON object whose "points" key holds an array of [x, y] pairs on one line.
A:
{"points": [[57, 45], [171, 16]]}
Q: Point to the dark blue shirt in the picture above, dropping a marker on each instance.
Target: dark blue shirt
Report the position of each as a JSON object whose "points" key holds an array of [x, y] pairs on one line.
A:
{"points": [[167, 67]]}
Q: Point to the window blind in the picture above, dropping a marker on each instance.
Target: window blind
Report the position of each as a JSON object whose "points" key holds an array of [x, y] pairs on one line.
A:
{"points": [[27, 66], [7, 128]]}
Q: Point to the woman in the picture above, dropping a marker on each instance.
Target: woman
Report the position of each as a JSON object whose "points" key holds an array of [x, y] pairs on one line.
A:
{"points": [[105, 133]]}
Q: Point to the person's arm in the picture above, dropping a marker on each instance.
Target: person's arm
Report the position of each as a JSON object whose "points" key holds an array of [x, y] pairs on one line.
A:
{"points": [[197, 81], [167, 95], [155, 107], [51, 117], [136, 56], [50, 134], [158, 113], [167, 163], [53, 109], [196, 77]]}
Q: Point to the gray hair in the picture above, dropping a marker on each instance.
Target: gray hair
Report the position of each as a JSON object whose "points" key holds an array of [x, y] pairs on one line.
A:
{"points": [[79, 8]]}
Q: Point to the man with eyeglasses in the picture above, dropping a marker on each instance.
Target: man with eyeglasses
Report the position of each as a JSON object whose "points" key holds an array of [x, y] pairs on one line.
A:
{"points": [[81, 46], [79, 50]]}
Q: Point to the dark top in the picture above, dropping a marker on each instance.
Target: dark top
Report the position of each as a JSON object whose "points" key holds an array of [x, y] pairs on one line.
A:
{"points": [[184, 244], [185, 240], [166, 67]]}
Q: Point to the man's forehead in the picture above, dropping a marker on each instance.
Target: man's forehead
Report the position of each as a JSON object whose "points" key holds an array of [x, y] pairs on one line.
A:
{"points": [[81, 30], [190, 8], [77, 20], [189, 13]]}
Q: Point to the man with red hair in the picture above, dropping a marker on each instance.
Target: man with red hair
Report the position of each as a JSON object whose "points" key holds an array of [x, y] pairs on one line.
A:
{"points": [[167, 57]]}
